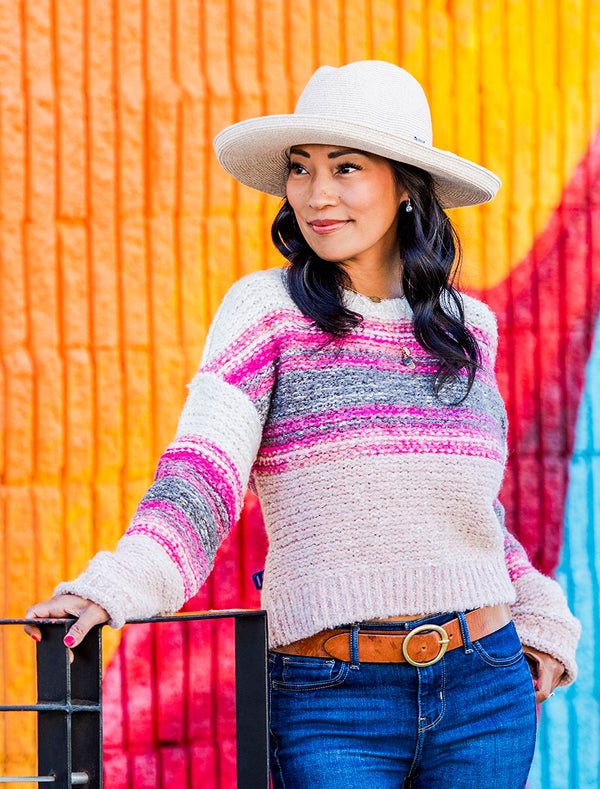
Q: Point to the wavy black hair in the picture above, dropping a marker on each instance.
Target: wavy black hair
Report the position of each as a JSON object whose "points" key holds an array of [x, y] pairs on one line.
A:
{"points": [[431, 255]]}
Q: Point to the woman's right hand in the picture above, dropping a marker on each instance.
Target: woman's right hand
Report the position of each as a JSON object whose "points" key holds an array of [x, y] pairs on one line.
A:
{"points": [[88, 615]]}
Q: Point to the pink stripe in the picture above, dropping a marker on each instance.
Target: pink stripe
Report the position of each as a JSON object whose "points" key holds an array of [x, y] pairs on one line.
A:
{"points": [[302, 362], [377, 340], [211, 456], [263, 328], [423, 364], [166, 513], [295, 326], [442, 418], [452, 439], [382, 345], [275, 463], [192, 565], [251, 367], [517, 561]]}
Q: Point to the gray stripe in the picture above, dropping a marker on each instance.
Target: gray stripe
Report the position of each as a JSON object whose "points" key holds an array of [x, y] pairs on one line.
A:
{"points": [[193, 505], [303, 392]]}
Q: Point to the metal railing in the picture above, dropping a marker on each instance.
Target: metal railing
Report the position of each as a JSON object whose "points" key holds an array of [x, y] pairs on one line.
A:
{"points": [[69, 706]]}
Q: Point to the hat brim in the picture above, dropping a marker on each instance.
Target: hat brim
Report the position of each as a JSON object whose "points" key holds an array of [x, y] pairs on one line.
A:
{"points": [[255, 152]]}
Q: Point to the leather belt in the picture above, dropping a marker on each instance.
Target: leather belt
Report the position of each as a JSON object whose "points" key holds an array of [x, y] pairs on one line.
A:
{"points": [[424, 645]]}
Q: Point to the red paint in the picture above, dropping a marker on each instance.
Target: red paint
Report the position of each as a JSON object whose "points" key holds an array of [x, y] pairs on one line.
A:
{"points": [[547, 310]]}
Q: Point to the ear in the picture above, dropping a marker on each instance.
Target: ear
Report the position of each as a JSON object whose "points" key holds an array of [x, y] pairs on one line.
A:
{"points": [[402, 194]]}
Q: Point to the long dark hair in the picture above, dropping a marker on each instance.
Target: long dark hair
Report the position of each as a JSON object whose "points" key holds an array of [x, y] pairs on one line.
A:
{"points": [[431, 255]]}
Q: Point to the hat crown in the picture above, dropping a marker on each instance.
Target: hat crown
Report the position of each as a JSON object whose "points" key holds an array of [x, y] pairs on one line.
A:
{"points": [[375, 93]]}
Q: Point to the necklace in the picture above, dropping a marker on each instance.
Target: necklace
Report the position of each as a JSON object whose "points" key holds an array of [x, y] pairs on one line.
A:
{"points": [[407, 359], [374, 299]]}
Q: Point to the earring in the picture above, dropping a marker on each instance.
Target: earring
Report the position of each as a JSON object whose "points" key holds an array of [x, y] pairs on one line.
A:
{"points": [[409, 207]]}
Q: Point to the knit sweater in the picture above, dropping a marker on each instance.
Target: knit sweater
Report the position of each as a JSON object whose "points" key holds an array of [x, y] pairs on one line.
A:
{"points": [[379, 496]]}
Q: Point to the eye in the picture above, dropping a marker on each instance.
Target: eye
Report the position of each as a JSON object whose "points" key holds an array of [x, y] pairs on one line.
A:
{"points": [[345, 168], [296, 168]]}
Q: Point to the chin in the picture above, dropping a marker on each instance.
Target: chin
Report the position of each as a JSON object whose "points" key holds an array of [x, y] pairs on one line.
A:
{"points": [[325, 253], [329, 258]]}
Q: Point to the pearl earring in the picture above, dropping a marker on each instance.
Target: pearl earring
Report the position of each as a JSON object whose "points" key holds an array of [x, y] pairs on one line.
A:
{"points": [[409, 207]]}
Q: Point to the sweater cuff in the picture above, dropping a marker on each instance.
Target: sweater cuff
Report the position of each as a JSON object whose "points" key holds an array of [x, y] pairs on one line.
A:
{"points": [[544, 622], [137, 581]]}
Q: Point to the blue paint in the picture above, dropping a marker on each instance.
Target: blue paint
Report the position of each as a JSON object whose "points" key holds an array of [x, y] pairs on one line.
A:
{"points": [[568, 750]]}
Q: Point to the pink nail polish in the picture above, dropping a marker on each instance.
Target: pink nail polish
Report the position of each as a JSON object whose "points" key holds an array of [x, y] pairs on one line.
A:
{"points": [[535, 683], [69, 641], [36, 637]]}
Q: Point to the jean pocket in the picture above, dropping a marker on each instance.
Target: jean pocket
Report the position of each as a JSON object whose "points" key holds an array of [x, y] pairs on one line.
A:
{"points": [[295, 673], [501, 648]]}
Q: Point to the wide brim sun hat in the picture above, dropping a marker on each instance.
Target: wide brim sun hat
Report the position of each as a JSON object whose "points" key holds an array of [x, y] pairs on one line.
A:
{"points": [[370, 105]]}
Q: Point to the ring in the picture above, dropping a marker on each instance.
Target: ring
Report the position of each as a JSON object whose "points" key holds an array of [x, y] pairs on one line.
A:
{"points": [[552, 694]]}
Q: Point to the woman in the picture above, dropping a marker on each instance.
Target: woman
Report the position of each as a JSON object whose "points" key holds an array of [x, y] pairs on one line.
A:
{"points": [[355, 387]]}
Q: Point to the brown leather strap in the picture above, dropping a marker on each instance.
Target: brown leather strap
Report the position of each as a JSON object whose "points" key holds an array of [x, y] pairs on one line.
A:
{"points": [[386, 646]]}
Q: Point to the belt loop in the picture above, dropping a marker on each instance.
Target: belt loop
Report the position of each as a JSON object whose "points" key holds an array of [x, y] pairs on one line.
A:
{"points": [[464, 631], [354, 656]]}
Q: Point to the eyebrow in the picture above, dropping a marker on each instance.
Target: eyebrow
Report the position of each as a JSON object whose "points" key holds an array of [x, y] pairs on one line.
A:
{"points": [[332, 155]]}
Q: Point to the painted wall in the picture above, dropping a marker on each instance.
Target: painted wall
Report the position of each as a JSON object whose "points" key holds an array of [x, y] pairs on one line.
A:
{"points": [[119, 235]]}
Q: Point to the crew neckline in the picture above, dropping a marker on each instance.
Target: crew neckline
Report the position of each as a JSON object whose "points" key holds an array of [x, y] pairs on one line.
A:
{"points": [[386, 308], [350, 292]]}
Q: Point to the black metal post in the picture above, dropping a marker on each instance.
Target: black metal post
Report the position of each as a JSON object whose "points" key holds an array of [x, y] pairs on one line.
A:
{"points": [[251, 702], [86, 724], [53, 689], [70, 732]]}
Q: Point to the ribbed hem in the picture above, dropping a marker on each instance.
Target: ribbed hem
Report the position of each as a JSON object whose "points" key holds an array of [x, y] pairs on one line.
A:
{"points": [[544, 621], [315, 604], [552, 636]]}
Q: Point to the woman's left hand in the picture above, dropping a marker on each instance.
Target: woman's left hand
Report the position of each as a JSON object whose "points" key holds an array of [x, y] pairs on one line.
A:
{"points": [[545, 671]]}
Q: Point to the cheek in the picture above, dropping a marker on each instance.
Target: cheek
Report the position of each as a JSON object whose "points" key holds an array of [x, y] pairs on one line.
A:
{"points": [[392, 204], [294, 195], [382, 212]]}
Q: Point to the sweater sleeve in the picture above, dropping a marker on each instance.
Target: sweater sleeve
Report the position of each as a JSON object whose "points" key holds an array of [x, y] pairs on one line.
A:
{"points": [[197, 495], [540, 613]]}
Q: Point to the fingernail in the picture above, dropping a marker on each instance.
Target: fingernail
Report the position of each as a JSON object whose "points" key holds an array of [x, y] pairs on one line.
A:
{"points": [[535, 683], [69, 641], [36, 637]]}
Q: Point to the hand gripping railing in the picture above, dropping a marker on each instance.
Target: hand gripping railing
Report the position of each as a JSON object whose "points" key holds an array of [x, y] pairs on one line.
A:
{"points": [[69, 707]]}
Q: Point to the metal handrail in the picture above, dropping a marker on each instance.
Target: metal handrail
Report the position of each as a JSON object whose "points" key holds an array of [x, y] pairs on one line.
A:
{"points": [[69, 706], [77, 779]]}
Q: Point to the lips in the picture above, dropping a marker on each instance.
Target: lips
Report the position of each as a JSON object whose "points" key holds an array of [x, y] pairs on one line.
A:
{"points": [[324, 226]]}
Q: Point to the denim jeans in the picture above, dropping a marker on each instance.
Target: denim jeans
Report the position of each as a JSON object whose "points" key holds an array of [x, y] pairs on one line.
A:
{"points": [[467, 722]]}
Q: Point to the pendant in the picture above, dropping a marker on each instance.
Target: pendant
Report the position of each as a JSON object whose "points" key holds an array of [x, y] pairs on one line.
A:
{"points": [[407, 359]]}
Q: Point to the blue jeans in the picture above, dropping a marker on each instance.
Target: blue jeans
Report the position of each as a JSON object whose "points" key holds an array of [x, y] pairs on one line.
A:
{"points": [[467, 722]]}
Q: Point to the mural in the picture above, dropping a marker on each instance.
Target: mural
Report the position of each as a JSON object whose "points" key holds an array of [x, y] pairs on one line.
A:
{"points": [[119, 235]]}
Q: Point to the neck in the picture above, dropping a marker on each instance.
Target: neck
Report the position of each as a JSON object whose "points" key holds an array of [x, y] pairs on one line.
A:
{"points": [[380, 281]]}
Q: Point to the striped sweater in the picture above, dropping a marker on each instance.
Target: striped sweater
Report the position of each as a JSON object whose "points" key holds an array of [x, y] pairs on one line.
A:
{"points": [[379, 497]]}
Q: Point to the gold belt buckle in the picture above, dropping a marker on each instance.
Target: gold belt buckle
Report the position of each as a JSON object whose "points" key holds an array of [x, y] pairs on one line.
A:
{"points": [[444, 641]]}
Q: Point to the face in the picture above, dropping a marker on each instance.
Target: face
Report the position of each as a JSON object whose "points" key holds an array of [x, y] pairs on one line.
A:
{"points": [[346, 203]]}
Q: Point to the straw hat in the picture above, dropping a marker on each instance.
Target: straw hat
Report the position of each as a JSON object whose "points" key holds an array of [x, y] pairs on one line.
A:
{"points": [[370, 105]]}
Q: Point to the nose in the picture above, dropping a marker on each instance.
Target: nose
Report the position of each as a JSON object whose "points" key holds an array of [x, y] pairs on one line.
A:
{"points": [[323, 192]]}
